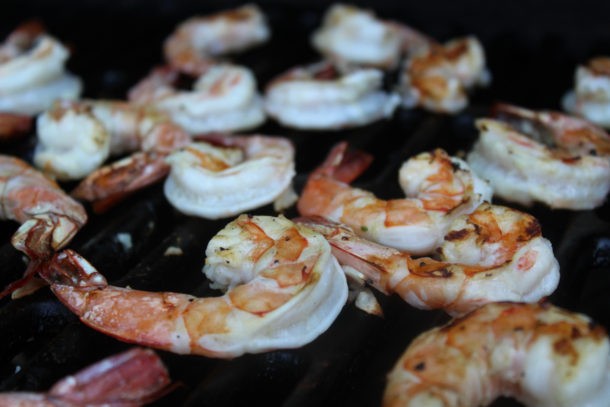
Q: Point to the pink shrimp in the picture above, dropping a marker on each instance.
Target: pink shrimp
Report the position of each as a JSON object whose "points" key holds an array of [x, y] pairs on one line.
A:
{"points": [[441, 188], [493, 254], [128, 379], [49, 217], [540, 354]]}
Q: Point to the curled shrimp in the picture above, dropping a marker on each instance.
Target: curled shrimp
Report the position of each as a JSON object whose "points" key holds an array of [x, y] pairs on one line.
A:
{"points": [[591, 95], [493, 254], [543, 156], [438, 77], [223, 99], [32, 71], [128, 379], [49, 218], [353, 36], [539, 354], [439, 187], [282, 286], [75, 138], [318, 97], [196, 43], [229, 175]]}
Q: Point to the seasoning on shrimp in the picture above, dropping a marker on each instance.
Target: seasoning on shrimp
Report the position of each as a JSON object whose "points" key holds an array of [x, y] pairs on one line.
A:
{"points": [[549, 157], [541, 355], [198, 42], [318, 97], [223, 99], [438, 188], [493, 254], [283, 288], [229, 175]]}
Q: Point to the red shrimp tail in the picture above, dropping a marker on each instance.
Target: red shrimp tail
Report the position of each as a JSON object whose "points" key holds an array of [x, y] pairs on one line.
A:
{"points": [[29, 274], [134, 377], [70, 268], [110, 185], [14, 127], [344, 164]]}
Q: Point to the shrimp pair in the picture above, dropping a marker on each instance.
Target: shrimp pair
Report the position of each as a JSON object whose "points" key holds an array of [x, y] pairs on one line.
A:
{"points": [[49, 218], [127, 379], [32, 75], [541, 355], [318, 97], [438, 77], [544, 156], [282, 286], [493, 254], [224, 98], [439, 187], [229, 175], [196, 43], [352, 36], [591, 95]]}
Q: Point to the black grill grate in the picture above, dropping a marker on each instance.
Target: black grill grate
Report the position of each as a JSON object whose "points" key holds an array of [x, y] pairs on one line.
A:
{"points": [[40, 341]]}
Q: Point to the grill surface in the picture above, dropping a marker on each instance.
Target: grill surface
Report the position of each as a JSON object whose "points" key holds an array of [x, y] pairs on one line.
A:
{"points": [[532, 64]]}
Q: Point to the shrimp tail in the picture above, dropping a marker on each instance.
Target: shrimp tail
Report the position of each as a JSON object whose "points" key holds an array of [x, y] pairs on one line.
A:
{"points": [[134, 377], [71, 269], [44, 234], [108, 186], [343, 164], [14, 126]]}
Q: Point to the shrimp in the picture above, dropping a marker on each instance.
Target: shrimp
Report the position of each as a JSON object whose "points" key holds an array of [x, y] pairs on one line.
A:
{"points": [[283, 289], [493, 254], [75, 138], [544, 156], [128, 379], [14, 125], [591, 95], [540, 354], [49, 218], [439, 187], [438, 77], [197, 42], [317, 97], [224, 99], [352, 36], [32, 71], [243, 173]]}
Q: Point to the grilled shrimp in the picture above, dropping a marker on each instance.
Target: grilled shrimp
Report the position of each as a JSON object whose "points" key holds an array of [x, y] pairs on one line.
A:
{"points": [[352, 36], [128, 379], [32, 72], [242, 173], [591, 95], [493, 254], [318, 97], [75, 138], [282, 287], [49, 218], [542, 355], [438, 77], [224, 99], [196, 43], [439, 188], [543, 156]]}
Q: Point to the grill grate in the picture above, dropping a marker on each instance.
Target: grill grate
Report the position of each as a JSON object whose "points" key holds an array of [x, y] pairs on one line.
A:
{"points": [[40, 341]]}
